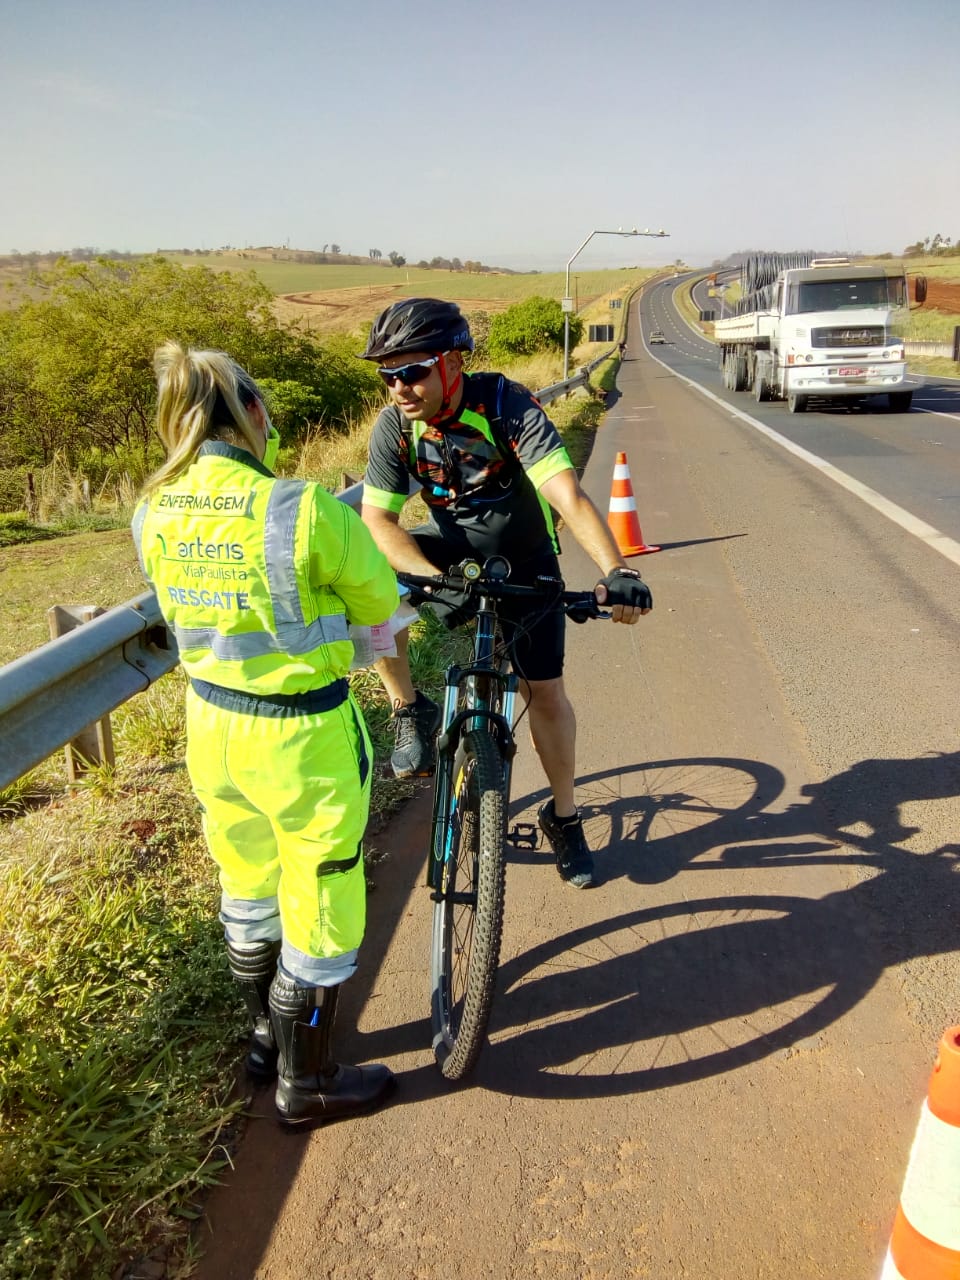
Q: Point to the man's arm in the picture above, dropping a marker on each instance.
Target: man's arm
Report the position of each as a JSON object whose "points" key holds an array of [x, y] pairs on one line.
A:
{"points": [[565, 494], [396, 544]]}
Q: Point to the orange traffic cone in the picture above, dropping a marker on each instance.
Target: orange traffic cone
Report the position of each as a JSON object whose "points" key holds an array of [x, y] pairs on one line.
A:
{"points": [[622, 516], [925, 1244]]}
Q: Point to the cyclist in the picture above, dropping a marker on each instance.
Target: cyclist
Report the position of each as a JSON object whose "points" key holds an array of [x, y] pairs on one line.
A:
{"points": [[490, 465], [258, 578]]}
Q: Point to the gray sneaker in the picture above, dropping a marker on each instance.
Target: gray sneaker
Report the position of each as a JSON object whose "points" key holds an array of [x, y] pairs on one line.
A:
{"points": [[416, 724], [574, 860]]}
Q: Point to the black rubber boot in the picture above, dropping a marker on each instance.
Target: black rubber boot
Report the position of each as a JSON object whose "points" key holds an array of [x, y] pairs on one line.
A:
{"points": [[253, 971], [313, 1088]]}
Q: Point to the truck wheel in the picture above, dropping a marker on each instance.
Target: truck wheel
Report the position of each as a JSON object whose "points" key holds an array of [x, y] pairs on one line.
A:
{"points": [[740, 373], [797, 403], [899, 401], [761, 392]]}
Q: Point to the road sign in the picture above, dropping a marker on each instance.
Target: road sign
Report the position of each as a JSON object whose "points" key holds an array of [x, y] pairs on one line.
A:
{"points": [[566, 304], [600, 333]]}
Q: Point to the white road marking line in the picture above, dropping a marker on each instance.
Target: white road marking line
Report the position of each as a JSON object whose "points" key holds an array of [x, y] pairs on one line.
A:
{"points": [[947, 547], [954, 417]]}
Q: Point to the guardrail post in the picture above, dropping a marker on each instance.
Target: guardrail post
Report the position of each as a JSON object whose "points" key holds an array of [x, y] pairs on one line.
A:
{"points": [[93, 746]]}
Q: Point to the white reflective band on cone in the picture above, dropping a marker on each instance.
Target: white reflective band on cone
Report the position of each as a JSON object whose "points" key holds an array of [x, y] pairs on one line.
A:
{"points": [[621, 471], [890, 1271], [623, 504], [931, 1190]]}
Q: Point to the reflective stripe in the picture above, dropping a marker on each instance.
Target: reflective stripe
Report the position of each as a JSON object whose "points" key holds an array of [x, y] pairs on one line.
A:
{"points": [[139, 516], [248, 920], [890, 1271], [623, 504], [931, 1190], [621, 471], [279, 540], [327, 629], [315, 971]]}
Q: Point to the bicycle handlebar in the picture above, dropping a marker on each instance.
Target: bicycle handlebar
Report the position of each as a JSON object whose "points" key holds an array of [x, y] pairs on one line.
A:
{"points": [[578, 605]]}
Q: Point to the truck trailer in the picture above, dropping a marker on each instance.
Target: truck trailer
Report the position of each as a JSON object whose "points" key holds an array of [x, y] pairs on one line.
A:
{"points": [[817, 329]]}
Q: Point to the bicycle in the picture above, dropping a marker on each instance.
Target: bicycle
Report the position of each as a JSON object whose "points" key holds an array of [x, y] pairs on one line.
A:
{"points": [[466, 871]]}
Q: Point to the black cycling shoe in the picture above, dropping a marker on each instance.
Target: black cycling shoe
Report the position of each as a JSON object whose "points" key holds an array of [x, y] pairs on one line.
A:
{"points": [[574, 859], [416, 724]]}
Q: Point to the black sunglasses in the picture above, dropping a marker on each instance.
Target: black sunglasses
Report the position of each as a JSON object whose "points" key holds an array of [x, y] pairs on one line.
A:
{"points": [[408, 374]]}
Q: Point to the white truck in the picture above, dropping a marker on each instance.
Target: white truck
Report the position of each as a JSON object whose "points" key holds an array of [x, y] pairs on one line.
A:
{"points": [[826, 330]]}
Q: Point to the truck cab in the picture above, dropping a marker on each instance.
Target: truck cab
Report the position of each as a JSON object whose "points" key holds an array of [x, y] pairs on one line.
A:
{"points": [[825, 331]]}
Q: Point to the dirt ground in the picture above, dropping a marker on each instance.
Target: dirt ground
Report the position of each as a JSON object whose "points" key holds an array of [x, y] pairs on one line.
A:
{"points": [[348, 309], [942, 295]]}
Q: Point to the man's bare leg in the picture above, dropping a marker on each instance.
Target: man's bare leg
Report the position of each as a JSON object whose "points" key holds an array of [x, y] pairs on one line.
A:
{"points": [[553, 727], [395, 673]]}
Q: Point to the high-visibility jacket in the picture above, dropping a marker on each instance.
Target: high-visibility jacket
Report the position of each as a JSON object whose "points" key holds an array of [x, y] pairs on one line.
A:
{"points": [[257, 576]]}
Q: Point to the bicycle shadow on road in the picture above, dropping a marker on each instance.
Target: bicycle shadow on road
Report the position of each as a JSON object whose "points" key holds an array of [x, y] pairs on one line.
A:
{"points": [[679, 991]]}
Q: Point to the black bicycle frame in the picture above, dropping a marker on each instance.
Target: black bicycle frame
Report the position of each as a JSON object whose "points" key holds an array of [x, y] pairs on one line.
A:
{"points": [[474, 685]]}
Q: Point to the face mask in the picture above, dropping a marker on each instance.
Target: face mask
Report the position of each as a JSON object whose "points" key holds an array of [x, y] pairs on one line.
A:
{"points": [[272, 447]]}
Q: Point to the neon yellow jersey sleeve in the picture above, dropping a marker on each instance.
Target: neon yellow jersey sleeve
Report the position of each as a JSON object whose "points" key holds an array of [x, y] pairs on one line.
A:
{"points": [[382, 498], [546, 468]]}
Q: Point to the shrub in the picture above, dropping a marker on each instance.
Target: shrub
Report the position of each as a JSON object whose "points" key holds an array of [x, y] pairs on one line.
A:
{"points": [[536, 324]]}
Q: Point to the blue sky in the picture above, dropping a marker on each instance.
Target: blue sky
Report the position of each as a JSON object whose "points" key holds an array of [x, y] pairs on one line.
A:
{"points": [[505, 130]]}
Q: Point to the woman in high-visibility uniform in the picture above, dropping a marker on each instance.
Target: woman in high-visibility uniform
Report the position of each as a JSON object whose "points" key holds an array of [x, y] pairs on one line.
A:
{"points": [[258, 578]]}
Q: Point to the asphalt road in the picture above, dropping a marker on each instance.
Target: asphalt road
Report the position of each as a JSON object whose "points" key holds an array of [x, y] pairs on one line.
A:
{"points": [[713, 1062]]}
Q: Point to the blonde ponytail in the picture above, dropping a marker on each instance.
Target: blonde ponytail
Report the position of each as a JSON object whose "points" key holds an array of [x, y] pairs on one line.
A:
{"points": [[189, 385]]}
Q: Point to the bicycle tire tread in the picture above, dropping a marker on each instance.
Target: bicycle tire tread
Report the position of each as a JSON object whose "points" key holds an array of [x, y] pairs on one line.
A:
{"points": [[489, 811]]}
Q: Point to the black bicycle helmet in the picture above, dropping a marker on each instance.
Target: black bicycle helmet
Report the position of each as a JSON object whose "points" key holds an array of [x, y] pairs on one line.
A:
{"points": [[418, 324]]}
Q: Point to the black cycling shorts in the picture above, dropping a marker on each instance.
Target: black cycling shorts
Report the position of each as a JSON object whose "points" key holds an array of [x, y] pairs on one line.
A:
{"points": [[535, 635]]}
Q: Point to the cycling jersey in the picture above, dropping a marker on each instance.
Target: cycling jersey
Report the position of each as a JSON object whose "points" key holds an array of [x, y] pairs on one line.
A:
{"points": [[480, 472]]}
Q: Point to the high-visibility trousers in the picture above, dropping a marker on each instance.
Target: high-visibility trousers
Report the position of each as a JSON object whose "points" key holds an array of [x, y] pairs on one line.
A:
{"points": [[285, 804]]}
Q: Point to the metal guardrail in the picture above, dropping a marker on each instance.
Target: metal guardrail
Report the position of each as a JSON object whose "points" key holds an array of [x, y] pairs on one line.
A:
{"points": [[49, 696], [921, 347]]}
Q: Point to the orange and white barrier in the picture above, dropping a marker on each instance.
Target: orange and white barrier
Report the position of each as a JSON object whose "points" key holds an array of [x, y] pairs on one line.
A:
{"points": [[925, 1243], [622, 515]]}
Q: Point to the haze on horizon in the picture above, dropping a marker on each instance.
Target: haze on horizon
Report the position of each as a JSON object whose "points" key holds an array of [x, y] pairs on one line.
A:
{"points": [[500, 133]]}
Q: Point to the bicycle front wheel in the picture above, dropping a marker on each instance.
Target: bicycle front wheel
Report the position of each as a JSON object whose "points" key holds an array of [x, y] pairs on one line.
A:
{"points": [[468, 913]]}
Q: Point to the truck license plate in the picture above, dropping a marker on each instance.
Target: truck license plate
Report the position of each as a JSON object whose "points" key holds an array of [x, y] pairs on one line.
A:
{"points": [[847, 372]]}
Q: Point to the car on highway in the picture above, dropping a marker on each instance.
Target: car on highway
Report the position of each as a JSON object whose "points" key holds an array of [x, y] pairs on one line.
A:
{"points": [[656, 335]]}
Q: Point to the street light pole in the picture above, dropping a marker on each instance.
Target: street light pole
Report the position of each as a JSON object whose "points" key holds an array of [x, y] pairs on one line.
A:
{"points": [[567, 303]]}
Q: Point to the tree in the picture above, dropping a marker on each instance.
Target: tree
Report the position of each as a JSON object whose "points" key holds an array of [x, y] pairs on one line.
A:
{"points": [[396, 259], [536, 324], [376, 255], [76, 363], [334, 248]]}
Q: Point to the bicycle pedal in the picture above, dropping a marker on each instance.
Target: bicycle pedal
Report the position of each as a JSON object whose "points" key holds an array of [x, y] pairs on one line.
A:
{"points": [[523, 836]]}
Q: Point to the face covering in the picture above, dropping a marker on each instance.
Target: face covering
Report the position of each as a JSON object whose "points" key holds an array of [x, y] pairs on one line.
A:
{"points": [[272, 447]]}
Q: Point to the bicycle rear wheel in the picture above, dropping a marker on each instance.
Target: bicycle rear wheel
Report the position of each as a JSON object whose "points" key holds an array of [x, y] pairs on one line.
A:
{"points": [[468, 915]]}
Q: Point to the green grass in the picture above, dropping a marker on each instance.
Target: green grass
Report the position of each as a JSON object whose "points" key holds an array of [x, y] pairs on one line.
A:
{"points": [[121, 1028], [942, 268], [16, 528], [934, 366], [88, 568], [931, 326], [293, 277]]}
